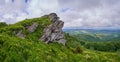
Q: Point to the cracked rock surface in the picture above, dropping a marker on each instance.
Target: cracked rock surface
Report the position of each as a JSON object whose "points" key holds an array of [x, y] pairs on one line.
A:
{"points": [[54, 33]]}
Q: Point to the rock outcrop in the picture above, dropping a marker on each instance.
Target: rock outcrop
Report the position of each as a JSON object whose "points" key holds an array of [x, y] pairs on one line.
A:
{"points": [[21, 35], [33, 27], [54, 33]]}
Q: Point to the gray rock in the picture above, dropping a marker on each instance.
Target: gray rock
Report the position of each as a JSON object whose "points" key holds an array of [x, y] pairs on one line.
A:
{"points": [[53, 37], [53, 17], [19, 34], [60, 25], [30, 28], [63, 41], [33, 27], [54, 33]]}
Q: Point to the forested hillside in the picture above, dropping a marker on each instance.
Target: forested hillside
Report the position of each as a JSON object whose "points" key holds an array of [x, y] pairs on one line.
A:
{"points": [[101, 40]]}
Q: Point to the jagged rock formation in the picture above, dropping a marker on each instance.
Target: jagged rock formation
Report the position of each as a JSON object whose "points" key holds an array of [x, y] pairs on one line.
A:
{"points": [[54, 33]]}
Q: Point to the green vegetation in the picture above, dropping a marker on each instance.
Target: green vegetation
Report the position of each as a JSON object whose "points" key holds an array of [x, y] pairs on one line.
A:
{"points": [[92, 35], [101, 40], [3, 24], [108, 46], [103, 46], [31, 49]]}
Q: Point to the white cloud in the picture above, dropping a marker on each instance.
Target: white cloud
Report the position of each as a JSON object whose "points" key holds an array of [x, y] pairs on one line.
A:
{"points": [[40, 7], [103, 14], [75, 13], [19, 10]]}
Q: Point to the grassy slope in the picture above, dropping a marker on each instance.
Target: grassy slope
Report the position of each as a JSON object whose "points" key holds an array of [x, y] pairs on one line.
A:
{"points": [[14, 49]]}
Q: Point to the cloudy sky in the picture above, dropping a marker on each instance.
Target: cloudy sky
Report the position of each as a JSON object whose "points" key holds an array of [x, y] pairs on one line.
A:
{"points": [[75, 13]]}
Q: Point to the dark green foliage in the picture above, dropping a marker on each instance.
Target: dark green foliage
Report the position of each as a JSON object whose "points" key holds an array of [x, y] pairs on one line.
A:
{"points": [[103, 46], [77, 50], [3, 24], [110, 46]]}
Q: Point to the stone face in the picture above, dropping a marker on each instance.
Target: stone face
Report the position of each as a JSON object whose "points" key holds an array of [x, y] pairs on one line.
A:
{"points": [[54, 33], [33, 27]]}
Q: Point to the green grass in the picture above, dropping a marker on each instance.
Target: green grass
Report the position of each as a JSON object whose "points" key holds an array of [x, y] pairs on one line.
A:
{"points": [[31, 49]]}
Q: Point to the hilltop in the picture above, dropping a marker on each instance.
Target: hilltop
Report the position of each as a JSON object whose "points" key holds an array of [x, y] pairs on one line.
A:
{"points": [[19, 43]]}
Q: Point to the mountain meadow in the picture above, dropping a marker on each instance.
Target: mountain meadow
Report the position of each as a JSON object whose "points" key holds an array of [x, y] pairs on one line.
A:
{"points": [[19, 44]]}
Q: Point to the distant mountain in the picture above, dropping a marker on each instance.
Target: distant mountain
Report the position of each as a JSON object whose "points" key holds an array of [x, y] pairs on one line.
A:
{"points": [[101, 40], [95, 34]]}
